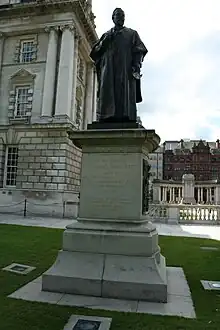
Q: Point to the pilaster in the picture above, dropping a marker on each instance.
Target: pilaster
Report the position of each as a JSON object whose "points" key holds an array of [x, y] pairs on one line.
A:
{"points": [[50, 74], [95, 89], [2, 41], [65, 74], [75, 64], [88, 112]]}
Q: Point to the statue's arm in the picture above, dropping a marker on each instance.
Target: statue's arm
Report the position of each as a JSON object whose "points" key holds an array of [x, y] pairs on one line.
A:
{"points": [[138, 53], [100, 47]]}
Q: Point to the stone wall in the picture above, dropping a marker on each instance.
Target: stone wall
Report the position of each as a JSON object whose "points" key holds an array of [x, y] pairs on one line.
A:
{"points": [[48, 173], [48, 161]]}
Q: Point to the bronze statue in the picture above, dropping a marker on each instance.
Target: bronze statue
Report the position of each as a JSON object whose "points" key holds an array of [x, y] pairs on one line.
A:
{"points": [[118, 58]]}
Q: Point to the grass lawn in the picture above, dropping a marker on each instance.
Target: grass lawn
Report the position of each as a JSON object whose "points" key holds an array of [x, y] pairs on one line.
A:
{"points": [[39, 246]]}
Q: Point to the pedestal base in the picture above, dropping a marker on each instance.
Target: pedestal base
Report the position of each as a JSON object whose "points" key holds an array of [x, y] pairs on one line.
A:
{"points": [[97, 262], [112, 251]]}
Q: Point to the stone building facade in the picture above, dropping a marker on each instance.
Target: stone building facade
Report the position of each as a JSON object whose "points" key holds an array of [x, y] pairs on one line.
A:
{"points": [[156, 164], [47, 89]]}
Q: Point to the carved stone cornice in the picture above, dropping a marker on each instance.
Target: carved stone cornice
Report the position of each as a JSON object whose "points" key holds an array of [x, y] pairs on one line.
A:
{"points": [[78, 37], [52, 7]]}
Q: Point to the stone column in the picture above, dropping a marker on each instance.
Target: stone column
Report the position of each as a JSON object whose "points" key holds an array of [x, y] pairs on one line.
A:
{"points": [[3, 109], [163, 194], [2, 41], [179, 193], [217, 197], [159, 194], [50, 74], [88, 108], [95, 88], [75, 65], [65, 74], [201, 194], [208, 195]]}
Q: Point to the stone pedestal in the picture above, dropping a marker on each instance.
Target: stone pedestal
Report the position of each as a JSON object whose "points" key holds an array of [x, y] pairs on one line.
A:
{"points": [[188, 189], [112, 251]]}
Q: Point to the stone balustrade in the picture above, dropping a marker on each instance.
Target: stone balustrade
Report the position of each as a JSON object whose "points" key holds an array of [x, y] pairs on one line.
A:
{"points": [[180, 213], [174, 193]]}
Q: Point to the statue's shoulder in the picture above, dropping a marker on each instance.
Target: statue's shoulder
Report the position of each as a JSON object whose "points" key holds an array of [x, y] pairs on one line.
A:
{"points": [[106, 33], [131, 31]]}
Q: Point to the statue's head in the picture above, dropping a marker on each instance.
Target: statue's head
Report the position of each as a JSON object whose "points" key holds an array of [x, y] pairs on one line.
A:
{"points": [[118, 17]]}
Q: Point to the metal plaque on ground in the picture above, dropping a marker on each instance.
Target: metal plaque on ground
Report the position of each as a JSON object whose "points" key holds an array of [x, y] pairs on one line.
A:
{"points": [[19, 268], [80, 322], [211, 285], [87, 325]]}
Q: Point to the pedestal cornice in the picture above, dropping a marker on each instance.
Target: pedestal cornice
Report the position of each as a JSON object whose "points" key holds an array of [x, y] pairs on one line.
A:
{"points": [[119, 137]]}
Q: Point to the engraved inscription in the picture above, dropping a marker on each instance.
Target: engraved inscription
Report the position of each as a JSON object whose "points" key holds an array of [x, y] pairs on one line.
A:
{"points": [[113, 187]]}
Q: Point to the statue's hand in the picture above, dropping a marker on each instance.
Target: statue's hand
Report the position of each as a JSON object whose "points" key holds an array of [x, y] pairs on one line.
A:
{"points": [[107, 38], [137, 75], [136, 72]]}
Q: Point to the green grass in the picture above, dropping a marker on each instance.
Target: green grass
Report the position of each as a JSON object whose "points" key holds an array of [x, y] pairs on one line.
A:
{"points": [[39, 246]]}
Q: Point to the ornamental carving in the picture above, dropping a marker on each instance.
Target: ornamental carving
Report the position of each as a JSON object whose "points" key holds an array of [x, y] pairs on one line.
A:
{"points": [[70, 27]]}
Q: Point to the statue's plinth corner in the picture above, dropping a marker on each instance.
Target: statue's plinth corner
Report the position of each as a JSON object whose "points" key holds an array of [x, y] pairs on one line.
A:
{"points": [[120, 134]]}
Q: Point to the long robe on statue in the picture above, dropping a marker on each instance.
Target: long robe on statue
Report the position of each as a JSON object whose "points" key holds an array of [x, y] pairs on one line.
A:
{"points": [[118, 90]]}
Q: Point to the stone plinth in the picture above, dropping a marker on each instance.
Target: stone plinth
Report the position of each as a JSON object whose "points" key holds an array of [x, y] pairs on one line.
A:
{"points": [[188, 189], [112, 251]]}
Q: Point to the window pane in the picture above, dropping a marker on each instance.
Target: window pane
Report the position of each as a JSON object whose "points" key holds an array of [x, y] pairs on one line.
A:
{"points": [[11, 168], [27, 51], [21, 101]]}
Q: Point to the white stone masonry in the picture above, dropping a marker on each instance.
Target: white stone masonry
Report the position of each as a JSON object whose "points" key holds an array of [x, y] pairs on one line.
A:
{"points": [[50, 74], [65, 75]]}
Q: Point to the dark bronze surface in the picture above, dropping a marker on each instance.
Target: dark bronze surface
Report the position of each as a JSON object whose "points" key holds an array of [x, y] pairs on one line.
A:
{"points": [[118, 57]]}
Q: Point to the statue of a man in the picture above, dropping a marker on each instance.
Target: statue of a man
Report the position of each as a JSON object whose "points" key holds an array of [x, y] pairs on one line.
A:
{"points": [[118, 57]]}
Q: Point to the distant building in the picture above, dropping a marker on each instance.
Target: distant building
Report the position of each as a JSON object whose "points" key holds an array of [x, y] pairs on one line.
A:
{"points": [[200, 158], [156, 163]]}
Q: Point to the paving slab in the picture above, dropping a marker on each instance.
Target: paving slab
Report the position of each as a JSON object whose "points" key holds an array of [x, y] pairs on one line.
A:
{"points": [[186, 230], [176, 305], [32, 292], [179, 298], [99, 303]]}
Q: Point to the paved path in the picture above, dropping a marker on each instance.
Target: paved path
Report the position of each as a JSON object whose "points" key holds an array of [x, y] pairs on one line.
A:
{"points": [[212, 232]]}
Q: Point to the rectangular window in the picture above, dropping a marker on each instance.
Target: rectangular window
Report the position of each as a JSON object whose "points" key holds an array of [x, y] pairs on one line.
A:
{"points": [[21, 101], [11, 164], [27, 51]]}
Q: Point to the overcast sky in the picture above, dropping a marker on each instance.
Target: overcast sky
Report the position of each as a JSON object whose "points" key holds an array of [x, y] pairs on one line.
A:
{"points": [[181, 72]]}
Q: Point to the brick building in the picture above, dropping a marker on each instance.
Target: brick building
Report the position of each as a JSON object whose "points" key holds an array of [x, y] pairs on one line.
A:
{"points": [[200, 158], [47, 89]]}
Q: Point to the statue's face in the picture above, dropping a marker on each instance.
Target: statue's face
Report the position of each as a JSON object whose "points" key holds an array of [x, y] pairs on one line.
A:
{"points": [[119, 17]]}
